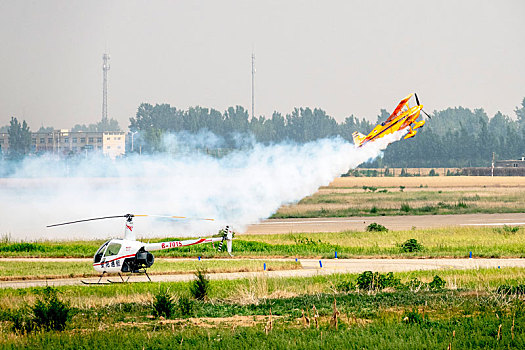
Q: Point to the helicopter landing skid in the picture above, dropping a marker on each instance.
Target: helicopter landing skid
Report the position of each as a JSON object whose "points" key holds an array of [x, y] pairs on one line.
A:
{"points": [[98, 282], [129, 276]]}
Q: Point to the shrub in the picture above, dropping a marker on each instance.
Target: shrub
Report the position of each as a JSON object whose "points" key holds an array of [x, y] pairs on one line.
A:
{"points": [[199, 288], [411, 245], [369, 280], [508, 229], [405, 207], [461, 204], [50, 313], [414, 317], [415, 285], [186, 306], [401, 188], [373, 210], [21, 321], [433, 173], [163, 304], [375, 227], [437, 283]]}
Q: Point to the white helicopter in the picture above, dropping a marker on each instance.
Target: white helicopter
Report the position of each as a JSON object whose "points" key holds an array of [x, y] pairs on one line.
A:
{"points": [[131, 256]]}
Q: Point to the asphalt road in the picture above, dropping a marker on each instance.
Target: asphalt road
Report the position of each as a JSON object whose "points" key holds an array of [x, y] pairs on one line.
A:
{"points": [[311, 267], [275, 226]]}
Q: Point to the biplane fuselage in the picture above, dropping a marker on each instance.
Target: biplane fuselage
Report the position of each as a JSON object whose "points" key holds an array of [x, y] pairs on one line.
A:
{"points": [[403, 116]]}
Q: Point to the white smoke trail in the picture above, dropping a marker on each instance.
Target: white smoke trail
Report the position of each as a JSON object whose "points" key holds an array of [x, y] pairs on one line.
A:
{"points": [[239, 189]]}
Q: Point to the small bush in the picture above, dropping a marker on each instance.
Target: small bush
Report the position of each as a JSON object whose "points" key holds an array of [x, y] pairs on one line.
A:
{"points": [[414, 317], [384, 190], [50, 313], [507, 229], [401, 188], [433, 173], [415, 285], [21, 321], [437, 283], [461, 204], [405, 207], [199, 288], [369, 280], [373, 210], [163, 304], [375, 227], [411, 245], [186, 306]]}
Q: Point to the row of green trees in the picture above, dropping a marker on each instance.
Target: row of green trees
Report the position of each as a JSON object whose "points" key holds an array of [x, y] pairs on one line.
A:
{"points": [[454, 137]]}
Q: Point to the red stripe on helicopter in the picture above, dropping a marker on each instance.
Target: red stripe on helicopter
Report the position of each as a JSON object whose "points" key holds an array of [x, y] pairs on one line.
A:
{"points": [[199, 241], [122, 257]]}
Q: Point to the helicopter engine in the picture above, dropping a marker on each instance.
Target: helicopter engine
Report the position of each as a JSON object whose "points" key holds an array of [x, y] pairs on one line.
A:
{"points": [[142, 260]]}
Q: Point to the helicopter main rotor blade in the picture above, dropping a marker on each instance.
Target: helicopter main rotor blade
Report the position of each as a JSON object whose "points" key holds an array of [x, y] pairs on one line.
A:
{"points": [[84, 220], [173, 217]]}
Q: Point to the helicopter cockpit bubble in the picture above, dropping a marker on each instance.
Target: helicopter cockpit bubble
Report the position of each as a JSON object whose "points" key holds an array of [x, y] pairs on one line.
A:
{"points": [[113, 249], [100, 252]]}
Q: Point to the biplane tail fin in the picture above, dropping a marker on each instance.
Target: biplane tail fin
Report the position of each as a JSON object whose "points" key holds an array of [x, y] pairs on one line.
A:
{"points": [[358, 138]]}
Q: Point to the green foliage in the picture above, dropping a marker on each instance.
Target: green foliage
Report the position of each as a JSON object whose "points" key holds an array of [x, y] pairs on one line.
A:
{"points": [[433, 173], [414, 317], [405, 207], [200, 286], [369, 280], [370, 188], [186, 306], [411, 245], [21, 320], [437, 283], [19, 139], [163, 304], [507, 229], [48, 313], [21, 247], [401, 188], [373, 210], [375, 227]]}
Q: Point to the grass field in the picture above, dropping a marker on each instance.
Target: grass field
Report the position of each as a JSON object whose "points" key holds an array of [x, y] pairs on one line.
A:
{"points": [[468, 313], [374, 196], [437, 242]]}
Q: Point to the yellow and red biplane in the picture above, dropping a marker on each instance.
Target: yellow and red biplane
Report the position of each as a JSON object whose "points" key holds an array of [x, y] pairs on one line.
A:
{"points": [[403, 116]]}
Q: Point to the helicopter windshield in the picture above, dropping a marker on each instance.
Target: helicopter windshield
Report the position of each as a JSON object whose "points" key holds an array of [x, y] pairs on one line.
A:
{"points": [[100, 252], [113, 249]]}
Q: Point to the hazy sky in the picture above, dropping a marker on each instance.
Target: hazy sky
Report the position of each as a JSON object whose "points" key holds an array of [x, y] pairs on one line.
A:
{"points": [[346, 57]]}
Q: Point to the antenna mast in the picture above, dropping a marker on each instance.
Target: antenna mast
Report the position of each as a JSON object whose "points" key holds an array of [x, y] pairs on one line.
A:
{"points": [[105, 69], [253, 84]]}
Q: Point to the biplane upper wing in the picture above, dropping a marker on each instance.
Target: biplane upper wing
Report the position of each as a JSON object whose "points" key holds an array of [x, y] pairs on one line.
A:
{"points": [[400, 106]]}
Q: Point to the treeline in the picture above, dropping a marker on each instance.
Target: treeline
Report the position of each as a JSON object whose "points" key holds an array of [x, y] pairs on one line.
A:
{"points": [[455, 137]]}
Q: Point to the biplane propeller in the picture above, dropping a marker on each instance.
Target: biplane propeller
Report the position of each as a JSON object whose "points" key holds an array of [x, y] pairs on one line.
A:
{"points": [[401, 118], [128, 255]]}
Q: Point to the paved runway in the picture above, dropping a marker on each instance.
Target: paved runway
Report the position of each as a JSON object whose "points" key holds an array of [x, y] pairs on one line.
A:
{"points": [[310, 267], [274, 226]]}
